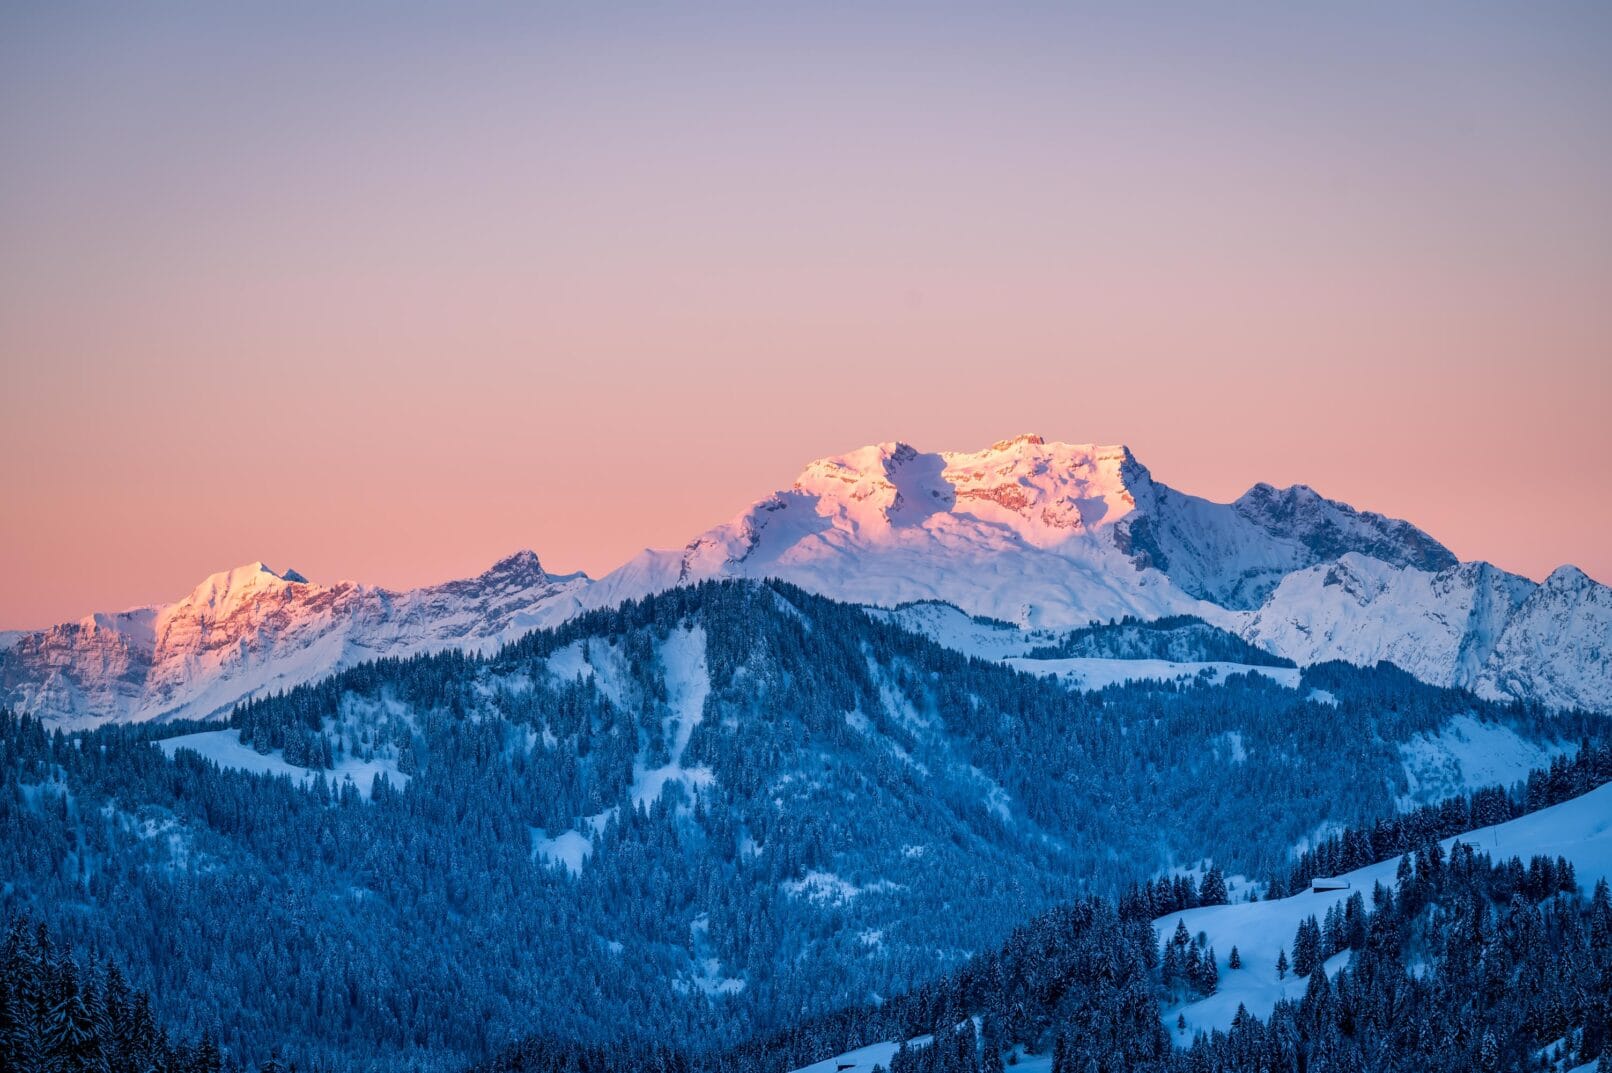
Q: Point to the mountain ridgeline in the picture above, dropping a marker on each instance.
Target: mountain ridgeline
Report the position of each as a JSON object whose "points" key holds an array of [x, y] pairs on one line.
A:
{"points": [[1044, 536], [715, 810]]}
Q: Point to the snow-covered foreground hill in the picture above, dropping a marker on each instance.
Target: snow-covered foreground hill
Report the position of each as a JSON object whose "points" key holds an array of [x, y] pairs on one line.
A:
{"points": [[1037, 537], [1579, 830]]}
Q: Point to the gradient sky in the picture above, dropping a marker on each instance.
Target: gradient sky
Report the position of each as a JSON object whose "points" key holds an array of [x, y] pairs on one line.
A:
{"points": [[386, 291]]}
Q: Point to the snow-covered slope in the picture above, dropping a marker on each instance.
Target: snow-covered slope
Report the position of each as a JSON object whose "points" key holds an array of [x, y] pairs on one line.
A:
{"points": [[1557, 648], [1473, 626], [1580, 830], [1235, 554], [224, 748], [1442, 627], [251, 630]]}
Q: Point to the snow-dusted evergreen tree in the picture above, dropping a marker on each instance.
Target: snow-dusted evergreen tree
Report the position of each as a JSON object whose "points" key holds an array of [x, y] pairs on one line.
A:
{"points": [[1307, 948]]}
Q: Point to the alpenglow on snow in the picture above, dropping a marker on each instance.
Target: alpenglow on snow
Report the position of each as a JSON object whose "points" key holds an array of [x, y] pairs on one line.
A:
{"points": [[1043, 536]]}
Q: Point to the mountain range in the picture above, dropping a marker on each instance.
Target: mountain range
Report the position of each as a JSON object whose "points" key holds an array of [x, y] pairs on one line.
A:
{"points": [[1042, 536]]}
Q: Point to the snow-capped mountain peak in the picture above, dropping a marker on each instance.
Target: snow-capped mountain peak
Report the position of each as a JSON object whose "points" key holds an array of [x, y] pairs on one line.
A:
{"points": [[221, 593], [1045, 492], [1022, 530], [876, 488], [1050, 534], [1568, 578], [521, 570], [1031, 531], [1557, 647]]}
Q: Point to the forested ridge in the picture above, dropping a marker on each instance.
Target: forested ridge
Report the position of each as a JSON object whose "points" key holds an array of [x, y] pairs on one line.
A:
{"points": [[1464, 963]]}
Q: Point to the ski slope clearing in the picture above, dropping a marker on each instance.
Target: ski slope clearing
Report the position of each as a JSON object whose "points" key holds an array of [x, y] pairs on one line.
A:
{"points": [[224, 748], [861, 1060], [1467, 755], [1089, 674], [1580, 830], [688, 683], [570, 848]]}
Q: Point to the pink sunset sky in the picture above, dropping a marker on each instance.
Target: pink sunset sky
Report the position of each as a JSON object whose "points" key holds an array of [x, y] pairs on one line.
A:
{"points": [[386, 292]]}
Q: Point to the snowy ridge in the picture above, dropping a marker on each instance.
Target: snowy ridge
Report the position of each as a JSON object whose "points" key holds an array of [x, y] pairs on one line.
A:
{"points": [[1441, 627], [1472, 626], [250, 631], [1557, 647]]}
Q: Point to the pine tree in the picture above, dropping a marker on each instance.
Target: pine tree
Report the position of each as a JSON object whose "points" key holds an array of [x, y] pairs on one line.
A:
{"points": [[208, 1057], [1489, 1053], [71, 1035], [1281, 965], [1307, 948], [1235, 961], [1060, 1055]]}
